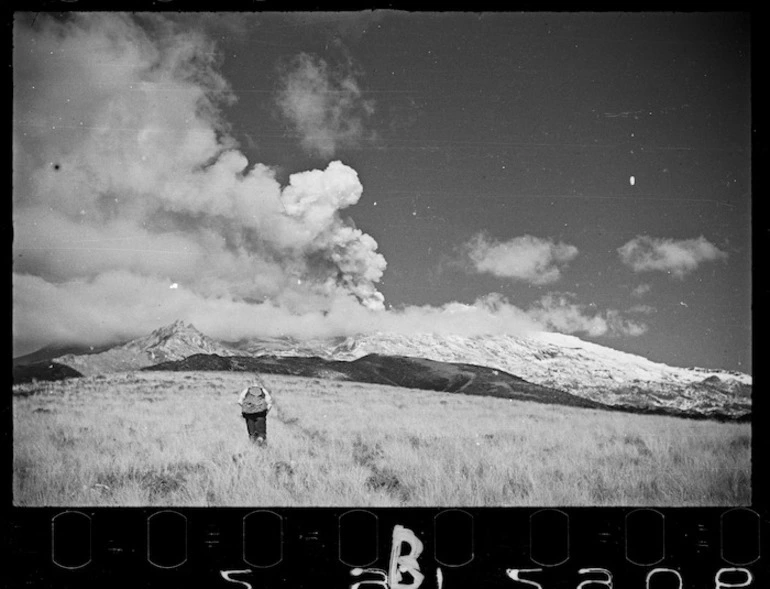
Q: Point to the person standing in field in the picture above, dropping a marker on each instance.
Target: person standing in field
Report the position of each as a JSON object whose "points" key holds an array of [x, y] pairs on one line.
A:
{"points": [[256, 402]]}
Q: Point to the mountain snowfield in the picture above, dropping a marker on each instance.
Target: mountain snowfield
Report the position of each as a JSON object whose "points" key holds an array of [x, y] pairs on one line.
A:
{"points": [[556, 360]]}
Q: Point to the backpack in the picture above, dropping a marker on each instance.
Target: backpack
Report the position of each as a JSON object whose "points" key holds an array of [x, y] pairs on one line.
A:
{"points": [[254, 403]]}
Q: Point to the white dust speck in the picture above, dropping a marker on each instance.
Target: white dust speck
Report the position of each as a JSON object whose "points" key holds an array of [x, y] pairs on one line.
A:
{"points": [[632, 180]]}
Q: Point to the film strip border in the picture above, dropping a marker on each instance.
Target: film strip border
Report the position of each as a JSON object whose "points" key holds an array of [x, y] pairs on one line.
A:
{"points": [[583, 548]]}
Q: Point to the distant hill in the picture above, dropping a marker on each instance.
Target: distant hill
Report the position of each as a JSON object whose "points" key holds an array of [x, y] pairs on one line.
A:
{"points": [[415, 373], [23, 373], [51, 352]]}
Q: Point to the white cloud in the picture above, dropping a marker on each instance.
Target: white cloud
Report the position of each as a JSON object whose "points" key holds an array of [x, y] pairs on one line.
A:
{"points": [[120, 305], [677, 257], [527, 258], [559, 312], [640, 290], [324, 104]]}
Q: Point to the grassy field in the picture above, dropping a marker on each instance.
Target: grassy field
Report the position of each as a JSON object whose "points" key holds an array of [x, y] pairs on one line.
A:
{"points": [[174, 438]]}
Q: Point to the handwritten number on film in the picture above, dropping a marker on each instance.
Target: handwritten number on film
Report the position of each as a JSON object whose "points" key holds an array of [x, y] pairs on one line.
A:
{"points": [[401, 565], [404, 572], [226, 577], [719, 581]]}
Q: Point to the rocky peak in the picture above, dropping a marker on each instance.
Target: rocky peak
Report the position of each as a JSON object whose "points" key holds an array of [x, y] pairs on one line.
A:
{"points": [[175, 341], [177, 330]]}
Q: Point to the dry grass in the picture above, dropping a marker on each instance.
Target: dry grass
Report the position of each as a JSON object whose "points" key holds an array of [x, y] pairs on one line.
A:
{"points": [[163, 438]]}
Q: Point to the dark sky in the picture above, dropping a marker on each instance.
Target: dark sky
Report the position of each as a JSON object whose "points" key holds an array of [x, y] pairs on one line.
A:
{"points": [[591, 169]]}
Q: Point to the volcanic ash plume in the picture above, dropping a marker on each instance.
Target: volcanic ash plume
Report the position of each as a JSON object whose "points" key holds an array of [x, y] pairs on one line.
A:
{"points": [[345, 254], [124, 167]]}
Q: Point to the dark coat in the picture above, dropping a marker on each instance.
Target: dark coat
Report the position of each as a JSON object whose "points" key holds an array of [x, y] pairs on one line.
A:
{"points": [[254, 402]]}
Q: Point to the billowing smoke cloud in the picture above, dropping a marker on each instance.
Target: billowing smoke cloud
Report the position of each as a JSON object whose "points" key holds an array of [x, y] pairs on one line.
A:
{"points": [[677, 257], [123, 167], [559, 312], [324, 104], [527, 258]]}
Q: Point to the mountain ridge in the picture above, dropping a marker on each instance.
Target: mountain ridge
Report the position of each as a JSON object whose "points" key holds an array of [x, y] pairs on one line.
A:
{"points": [[170, 342], [564, 362], [556, 361], [401, 371]]}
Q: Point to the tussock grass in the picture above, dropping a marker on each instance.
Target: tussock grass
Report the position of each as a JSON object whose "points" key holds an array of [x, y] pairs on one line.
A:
{"points": [[156, 438]]}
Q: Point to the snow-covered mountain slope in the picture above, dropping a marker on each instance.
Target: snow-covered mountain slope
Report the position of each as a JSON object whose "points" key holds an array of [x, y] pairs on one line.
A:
{"points": [[286, 346], [567, 363], [553, 360]]}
